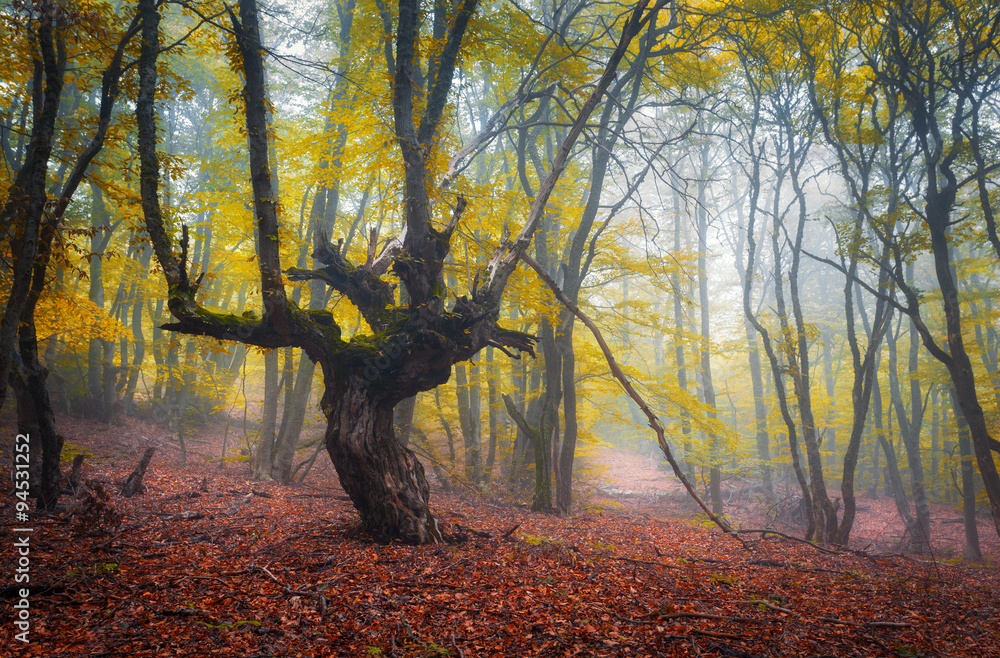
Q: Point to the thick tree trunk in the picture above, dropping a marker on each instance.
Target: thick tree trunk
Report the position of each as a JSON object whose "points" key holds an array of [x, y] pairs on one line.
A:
{"points": [[412, 348], [384, 480]]}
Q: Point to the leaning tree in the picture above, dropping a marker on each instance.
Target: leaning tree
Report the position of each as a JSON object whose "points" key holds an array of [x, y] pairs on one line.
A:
{"points": [[412, 346]]}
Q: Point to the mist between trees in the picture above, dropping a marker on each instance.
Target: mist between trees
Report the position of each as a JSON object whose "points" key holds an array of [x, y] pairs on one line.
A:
{"points": [[781, 217]]}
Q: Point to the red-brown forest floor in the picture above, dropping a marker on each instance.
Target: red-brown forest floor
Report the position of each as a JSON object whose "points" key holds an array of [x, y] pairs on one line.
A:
{"points": [[268, 570]]}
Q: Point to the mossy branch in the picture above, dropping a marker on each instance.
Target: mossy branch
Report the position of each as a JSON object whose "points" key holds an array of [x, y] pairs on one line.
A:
{"points": [[361, 285]]}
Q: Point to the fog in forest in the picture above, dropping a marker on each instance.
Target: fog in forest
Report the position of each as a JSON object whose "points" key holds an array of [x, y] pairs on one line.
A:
{"points": [[366, 232]]}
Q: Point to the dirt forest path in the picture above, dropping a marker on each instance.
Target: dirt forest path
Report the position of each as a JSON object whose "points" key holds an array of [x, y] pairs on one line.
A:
{"points": [[637, 483]]}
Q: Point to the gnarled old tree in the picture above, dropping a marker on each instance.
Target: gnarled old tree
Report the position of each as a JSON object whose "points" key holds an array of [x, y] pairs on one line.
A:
{"points": [[412, 347]]}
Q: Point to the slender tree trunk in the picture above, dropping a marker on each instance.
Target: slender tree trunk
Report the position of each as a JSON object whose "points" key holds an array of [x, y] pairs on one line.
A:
{"points": [[777, 370], [138, 337], [493, 374], [704, 345], [468, 394], [831, 415], [972, 550], [567, 452], [865, 381], [753, 357], [97, 347], [286, 388], [679, 332], [909, 429], [547, 420], [159, 350], [898, 492], [288, 441], [935, 489], [264, 457]]}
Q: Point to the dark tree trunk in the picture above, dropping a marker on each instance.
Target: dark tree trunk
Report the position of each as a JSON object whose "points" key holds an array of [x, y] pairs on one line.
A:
{"points": [[547, 442], [385, 481], [27, 196], [263, 458], [865, 381], [753, 356], [956, 359], [35, 417], [909, 429], [33, 380], [493, 385], [567, 450], [972, 550]]}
